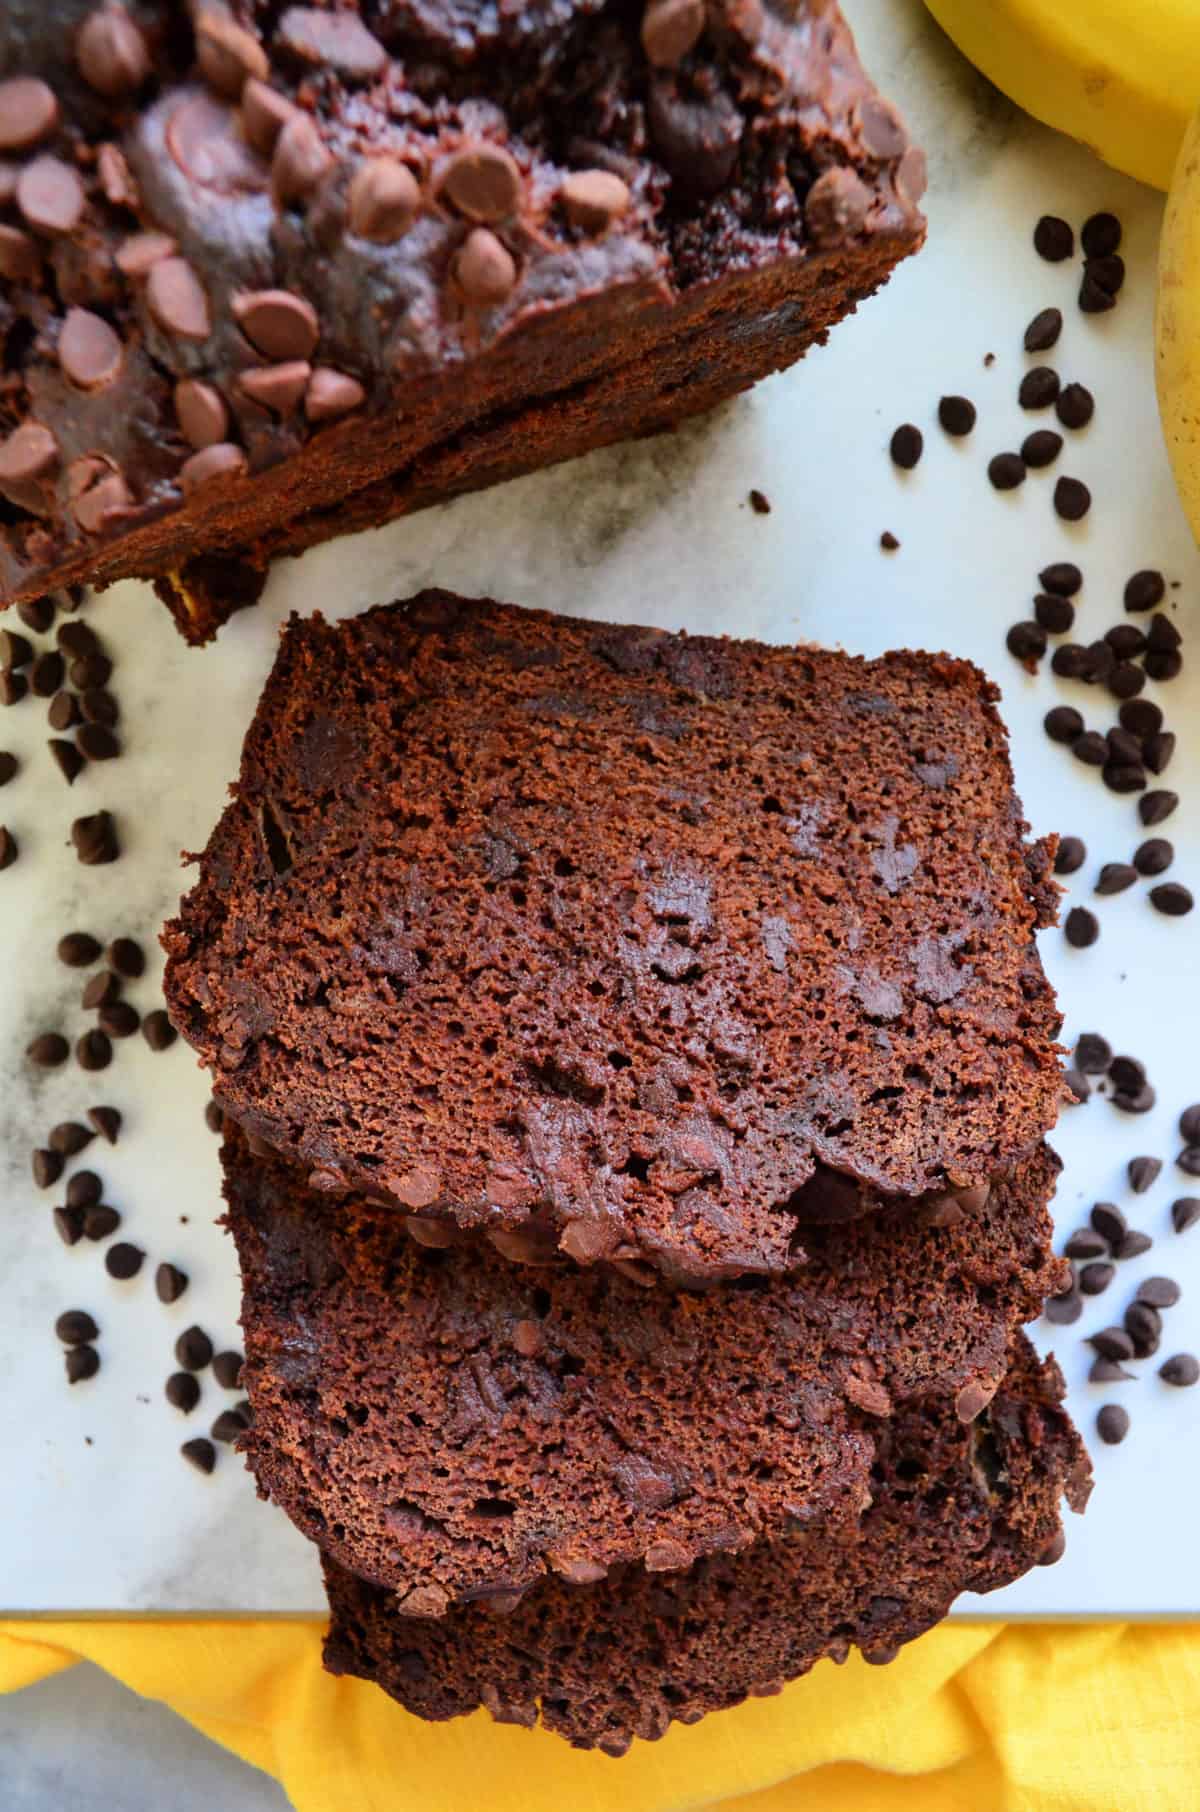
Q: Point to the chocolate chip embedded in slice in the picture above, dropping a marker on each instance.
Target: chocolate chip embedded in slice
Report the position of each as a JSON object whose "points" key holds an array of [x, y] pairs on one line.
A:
{"points": [[227, 1370], [214, 1117], [670, 30], [277, 323], [158, 1031], [1081, 928], [177, 300], [182, 1392], [50, 196], [384, 200], [1143, 1173], [484, 269], [29, 112], [300, 161], [111, 53], [331, 394], [1070, 856], [200, 1453], [193, 1349], [593, 200], [1172, 898], [124, 1260], [222, 460], [1182, 1370], [265, 112], [228, 55], [90, 353], [170, 1283], [81, 1363], [1112, 1424], [75, 1327], [1044, 330]]}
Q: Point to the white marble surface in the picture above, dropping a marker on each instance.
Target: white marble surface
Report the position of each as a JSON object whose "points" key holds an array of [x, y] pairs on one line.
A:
{"points": [[99, 1514]]}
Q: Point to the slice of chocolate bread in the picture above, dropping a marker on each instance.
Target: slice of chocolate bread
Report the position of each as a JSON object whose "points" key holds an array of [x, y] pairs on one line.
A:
{"points": [[617, 944], [958, 1507], [271, 272], [452, 1426]]}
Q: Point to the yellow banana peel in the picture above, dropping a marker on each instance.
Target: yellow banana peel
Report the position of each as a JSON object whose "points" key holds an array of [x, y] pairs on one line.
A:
{"points": [[1123, 76], [1177, 329]]}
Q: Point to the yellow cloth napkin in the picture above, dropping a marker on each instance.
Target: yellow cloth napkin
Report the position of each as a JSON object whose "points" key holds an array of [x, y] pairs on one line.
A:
{"points": [[972, 1718]]}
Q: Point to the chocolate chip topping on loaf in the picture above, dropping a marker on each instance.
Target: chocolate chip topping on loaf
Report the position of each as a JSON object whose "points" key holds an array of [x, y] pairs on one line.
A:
{"points": [[620, 945], [453, 1426], [273, 272], [958, 1507]]}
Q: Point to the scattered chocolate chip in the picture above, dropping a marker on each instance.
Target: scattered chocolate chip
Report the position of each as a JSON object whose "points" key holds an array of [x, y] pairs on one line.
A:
{"points": [[760, 503], [1100, 285], [48, 1050], [1189, 1160], [1158, 750], [13, 687], [47, 1167], [1189, 1124], [214, 1118], [1063, 578], [1112, 1343], [1063, 723], [229, 1425], [123, 1260], [227, 1370], [1141, 716], [200, 1453], [69, 761], [182, 1392], [1081, 928], [193, 1349], [1086, 1243], [957, 415], [64, 711], [1075, 406], [1043, 330], [1133, 1245], [1112, 1424], [1108, 1221], [1077, 1086], [1185, 1212], [95, 839], [1144, 590], [1093, 1054], [1162, 635], [1041, 449], [15, 650], [1154, 856], [1095, 1278], [1072, 499], [1006, 471], [88, 671], [1124, 777], [82, 1363], [9, 766], [1125, 680], [75, 1327], [170, 1283], [1053, 239], [100, 990], [94, 1050], [100, 1222], [888, 542], [1108, 1371], [1101, 235], [1065, 1309], [1163, 666], [127, 957], [68, 1224], [84, 1189], [1127, 1072], [99, 707], [1182, 1370], [158, 1031], [1115, 877], [1143, 1324], [1039, 388], [1072, 661], [68, 1138], [1126, 641], [119, 1019], [77, 640], [9, 850], [1070, 855], [1026, 642], [1172, 898], [1143, 1173], [1156, 807], [97, 743], [1159, 1292], [1133, 1100]]}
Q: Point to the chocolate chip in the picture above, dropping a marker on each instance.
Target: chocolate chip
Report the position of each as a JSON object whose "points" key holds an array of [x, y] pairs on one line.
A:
{"points": [[1158, 751], [1124, 777], [1144, 590], [8, 847], [75, 1327], [265, 112], [158, 1031], [1075, 406], [1043, 330], [1154, 856], [97, 743], [177, 300], [99, 707], [1189, 1160], [1127, 1072], [64, 711], [1026, 642], [1112, 1424], [957, 415], [13, 687], [111, 53], [1006, 471], [47, 1167], [136, 256], [1162, 634], [1123, 746], [200, 1453], [1063, 724], [84, 1189], [1159, 1292], [1133, 1100], [1142, 717], [1095, 1278], [484, 269], [1156, 807], [15, 650], [1125, 680], [68, 1138], [1065, 1309], [36, 614], [1143, 1324], [1115, 877], [276, 387], [1070, 855], [101, 989], [81, 1363], [95, 839], [1143, 1172], [1093, 1054], [119, 1019], [229, 1425], [123, 1260], [1039, 388], [1112, 1343], [1163, 666], [1053, 239], [201, 412], [50, 196], [1086, 1243], [670, 29], [1172, 898], [1100, 663], [28, 453], [9, 767], [1063, 578], [384, 199], [1072, 499], [223, 460], [1094, 297], [182, 1392], [106, 1121], [1077, 1086], [331, 393], [227, 1370], [1182, 1370], [1133, 1245], [1189, 1124], [1108, 1221], [1126, 640], [68, 1224], [277, 323], [1041, 449], [46, 674], [760, 503], [67, 759], [94, 1050], [214, 1118], [1090, 748], [1185, 1212], [228, 55], [48, 1050], [28, 112], [99, 1222], [300, 161], [89, 352], [193, 1349], [1101, 235], [1108, 1371], [170, 1283]]}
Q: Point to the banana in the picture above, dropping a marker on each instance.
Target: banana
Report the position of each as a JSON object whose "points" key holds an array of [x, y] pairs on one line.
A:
{"points": [[1177, 326], [1121, 75]]}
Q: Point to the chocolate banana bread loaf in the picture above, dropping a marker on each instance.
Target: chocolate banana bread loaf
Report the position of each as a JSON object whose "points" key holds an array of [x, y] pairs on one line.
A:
{"points": [[620, 945], [957, 1507], [273, 272], [453, 1426]]}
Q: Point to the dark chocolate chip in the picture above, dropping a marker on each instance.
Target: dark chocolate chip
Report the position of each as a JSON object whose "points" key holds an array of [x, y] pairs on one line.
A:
{"points": [[1062, 577], [48, 1050], [1081, 928], [1077, 1086], [1163, 666], [1154, 856], [82, 1363], [1144, 590], [1126, 640], [1159, 1292], [1143, 1173], [227, 1370], [1162, 635], [1094, 298], [83, 1189], [1156, 807], [170, 1283], [888, 542], [94, 1050], [1181, 1369], [119, 1019], [1075, 406], [1125, 680], [1127, 1073], [1063, 1310], [1124, 776], [1185, 1212], [64, 711], [1043, 330], [193, 1349], [1090, 748], [1039, 388], [200, 1453], [88, 672], [1026, 642], [100, 1222], [1072, 661], [1115, 877], [1172, 898], [1041, 449], [123, 1260], [75, 1327], [16, 651], [1133, 1245], [9, 766], [127, 957], [158, 1031], [1112, 1343], [1053, 239], [36, 614], [1072, 499], [1189, 1124], [1133, 1100], [47, 1167], [1063, 723], [100, 990], [1143, 1324], [1108, 1371], [182, 1392], [214, 1118], [46, 674], [1095, 1278], [9, 849], [13, 687], [68, 1138], [1141, 716], [1158, 750], [1101, 235], [957, 415], [107, 1122], [1189, 1160], [77, 640], [1112, 1424], [68, 1224], [1085, 1243], [1109, 1222], [760, 503], [68, 760], [1070, 855], [95, 839], [99, 707], [229, 1425], [1093, 1054], [1006, 471], [97, 743]]}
